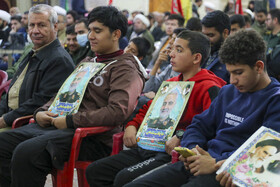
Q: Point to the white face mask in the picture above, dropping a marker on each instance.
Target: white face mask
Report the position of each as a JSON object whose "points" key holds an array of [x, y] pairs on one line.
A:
{"points": [[82, 39]]}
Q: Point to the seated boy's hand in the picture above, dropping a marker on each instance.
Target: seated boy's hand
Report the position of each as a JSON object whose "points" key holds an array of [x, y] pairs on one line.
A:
{"points": [[129, 137], [59, 122], [224, 178], [44, 118], [201, 164], [186, 162], [170, 144]]}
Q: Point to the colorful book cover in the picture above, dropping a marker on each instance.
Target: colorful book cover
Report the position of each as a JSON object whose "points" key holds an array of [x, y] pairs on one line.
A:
{"points": [[71, 93], [257, 161], [163, 115]]}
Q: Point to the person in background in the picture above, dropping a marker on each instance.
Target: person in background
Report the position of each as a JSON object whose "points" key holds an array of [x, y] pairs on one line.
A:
{"points": [[139, 47], [24, 25], [62, 22], [259, 23], [140, 29], [237, 22], [71, 17], [14, 11], [272, 39], [5, 19], [81, 29], [248, 21], [15, 23], [173, 21], [216, 26], [194, 24], [154, 28], [251, 5], [72, 46]]}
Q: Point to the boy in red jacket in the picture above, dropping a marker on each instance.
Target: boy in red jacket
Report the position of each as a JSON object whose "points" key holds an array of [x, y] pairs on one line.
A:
{"points": [[189, 51]]}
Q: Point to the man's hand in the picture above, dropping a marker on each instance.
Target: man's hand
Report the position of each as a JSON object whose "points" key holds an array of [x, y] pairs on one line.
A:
{"points": [[170, 144], [202, 163], [45, 118], [150, 95], [59, 122], [129, 137], [2, 123]]}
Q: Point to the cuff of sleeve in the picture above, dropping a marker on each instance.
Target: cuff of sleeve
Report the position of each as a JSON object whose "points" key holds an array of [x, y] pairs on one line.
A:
{"points": [[8, 119], [69, 122], [132, 124]]}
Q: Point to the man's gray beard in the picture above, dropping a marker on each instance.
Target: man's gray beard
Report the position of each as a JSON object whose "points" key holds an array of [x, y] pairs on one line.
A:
{"points": [[257, 163]]}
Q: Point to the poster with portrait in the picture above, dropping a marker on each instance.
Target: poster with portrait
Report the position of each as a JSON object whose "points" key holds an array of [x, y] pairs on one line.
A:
{"points": [[257, 161], [163, 115], [71, 93]]}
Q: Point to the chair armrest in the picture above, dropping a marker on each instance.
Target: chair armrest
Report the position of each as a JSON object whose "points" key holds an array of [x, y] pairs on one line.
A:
{"points": [[80, 133], [117, 143], [21, 121], [175, 156]]}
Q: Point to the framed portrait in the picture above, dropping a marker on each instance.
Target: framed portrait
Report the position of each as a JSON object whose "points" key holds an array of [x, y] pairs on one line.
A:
{"points": [[71, 93], [257, 161], [164, 115]]}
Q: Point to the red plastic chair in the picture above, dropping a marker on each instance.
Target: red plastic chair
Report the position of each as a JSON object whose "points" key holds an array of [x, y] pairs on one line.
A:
{"points": [[64, 178], [175, 156]]}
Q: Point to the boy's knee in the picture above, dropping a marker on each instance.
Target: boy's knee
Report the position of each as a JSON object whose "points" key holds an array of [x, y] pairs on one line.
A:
{"points": [[123, 177]]}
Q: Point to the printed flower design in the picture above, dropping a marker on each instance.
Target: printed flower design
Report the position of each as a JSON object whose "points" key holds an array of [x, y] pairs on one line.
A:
{"points": [[243, 168], [244, 157]]}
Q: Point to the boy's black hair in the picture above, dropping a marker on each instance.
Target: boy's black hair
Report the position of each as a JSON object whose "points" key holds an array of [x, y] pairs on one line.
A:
{"points": [[178, 30], [262, 10], [237, 18], [16, 17], [71, 30], [244, 47], [142, 44], [178, 17], [217, 19], [275, 13], [110, 17], [194, 24], [197, 42]]}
